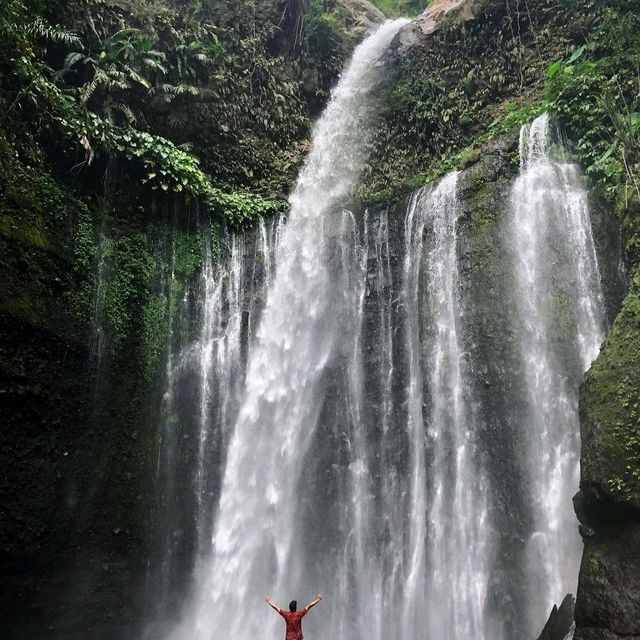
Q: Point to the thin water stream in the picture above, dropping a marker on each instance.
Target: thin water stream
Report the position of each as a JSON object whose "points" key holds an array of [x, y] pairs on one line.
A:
{"points": [[558, 291]]}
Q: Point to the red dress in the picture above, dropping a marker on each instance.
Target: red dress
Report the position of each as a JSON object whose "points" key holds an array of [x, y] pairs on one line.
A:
{"points": [[294, 623]]}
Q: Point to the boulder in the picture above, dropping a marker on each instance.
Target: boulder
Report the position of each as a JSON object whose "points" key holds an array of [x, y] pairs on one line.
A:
{"points": [[415, 32], [360, 15], [609, 591], [560, 622]]}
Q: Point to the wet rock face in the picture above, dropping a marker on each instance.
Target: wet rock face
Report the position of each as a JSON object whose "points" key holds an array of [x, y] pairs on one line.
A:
{"points": [[609, 500], [609, 593], [435, 14], [609, 419], [361, 15]]}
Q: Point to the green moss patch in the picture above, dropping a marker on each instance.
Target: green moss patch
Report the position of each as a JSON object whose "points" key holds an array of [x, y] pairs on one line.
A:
{"points": [[610, 406]]}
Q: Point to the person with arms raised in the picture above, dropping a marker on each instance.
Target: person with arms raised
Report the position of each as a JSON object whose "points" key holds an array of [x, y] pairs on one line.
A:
{"points": [[293, 617]]}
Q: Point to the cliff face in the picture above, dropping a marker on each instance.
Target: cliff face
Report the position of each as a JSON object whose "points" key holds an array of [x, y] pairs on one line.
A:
{"points": [[88, 248], [609, 500], [86, 315]]}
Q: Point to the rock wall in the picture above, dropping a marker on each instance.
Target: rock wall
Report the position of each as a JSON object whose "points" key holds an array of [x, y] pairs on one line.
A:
{"points": [[608, 504], [79, 420]]}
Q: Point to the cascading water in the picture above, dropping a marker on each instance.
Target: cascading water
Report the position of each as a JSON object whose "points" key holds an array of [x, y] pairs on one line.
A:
{"points": [[203, 382], [458, 507], [561, 315], [356, 455], [256, 544]]}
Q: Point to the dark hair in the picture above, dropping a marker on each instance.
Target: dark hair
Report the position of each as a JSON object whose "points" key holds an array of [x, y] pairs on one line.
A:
{"points": [[293, 605]]}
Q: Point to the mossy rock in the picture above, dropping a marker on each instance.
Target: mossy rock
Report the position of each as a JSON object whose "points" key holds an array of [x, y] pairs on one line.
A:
{"points": [[610, 412]]}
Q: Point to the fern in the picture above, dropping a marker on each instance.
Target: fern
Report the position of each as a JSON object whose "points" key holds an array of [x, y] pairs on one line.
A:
{"points": [[136, 77], [127, 112], [89, 88], [177, 119], [150, 63], [56, 34], [73, 58]]}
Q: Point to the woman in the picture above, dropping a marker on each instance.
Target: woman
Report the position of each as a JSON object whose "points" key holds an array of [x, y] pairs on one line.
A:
{"points": [[294, 617]]}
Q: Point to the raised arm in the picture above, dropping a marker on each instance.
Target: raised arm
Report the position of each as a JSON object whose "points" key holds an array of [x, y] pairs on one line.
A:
{"points": [[270, 602], [314, 602]]}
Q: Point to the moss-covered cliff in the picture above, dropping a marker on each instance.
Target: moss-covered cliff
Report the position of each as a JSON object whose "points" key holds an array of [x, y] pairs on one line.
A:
{"points": [[609, 499], [97, 213]]}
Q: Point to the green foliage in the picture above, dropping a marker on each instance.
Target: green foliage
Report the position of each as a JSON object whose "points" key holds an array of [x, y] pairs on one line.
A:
{"points": [[475, 80], [325, 41], [33, 203], [172, 169], [596, 93], [511, 116], [610, 403], [407, 8], [80, 301], [132, 268], [129, 86], [25, 78], [39, 29], [124, 64], [127, 76], [514, 115], [187, 254], [483, 218], [154, 333]]}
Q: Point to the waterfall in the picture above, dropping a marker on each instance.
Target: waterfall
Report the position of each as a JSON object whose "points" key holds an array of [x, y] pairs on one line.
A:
{"points": [[213, 321], [458, 507], [337, 435], [405, 490], [255, 542], [560, 313]]}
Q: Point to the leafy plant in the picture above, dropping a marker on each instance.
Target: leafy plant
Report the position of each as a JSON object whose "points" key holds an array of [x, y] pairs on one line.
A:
{"points": [[401, 7], [125, 63], [595, 92]]}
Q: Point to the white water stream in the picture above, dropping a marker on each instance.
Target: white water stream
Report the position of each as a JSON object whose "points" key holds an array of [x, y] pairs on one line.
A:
{"points": [[561, 313], [256, 546]]}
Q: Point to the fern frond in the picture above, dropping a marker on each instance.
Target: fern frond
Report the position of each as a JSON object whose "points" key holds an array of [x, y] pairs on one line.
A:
{"points": [[177, 118], [160, 102], [57, 34], [156, 54], [136, 77], [155, 65], [128, 113], [89, 88], [202, 57], [160, 88], [73, 58], [121, 36]]}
